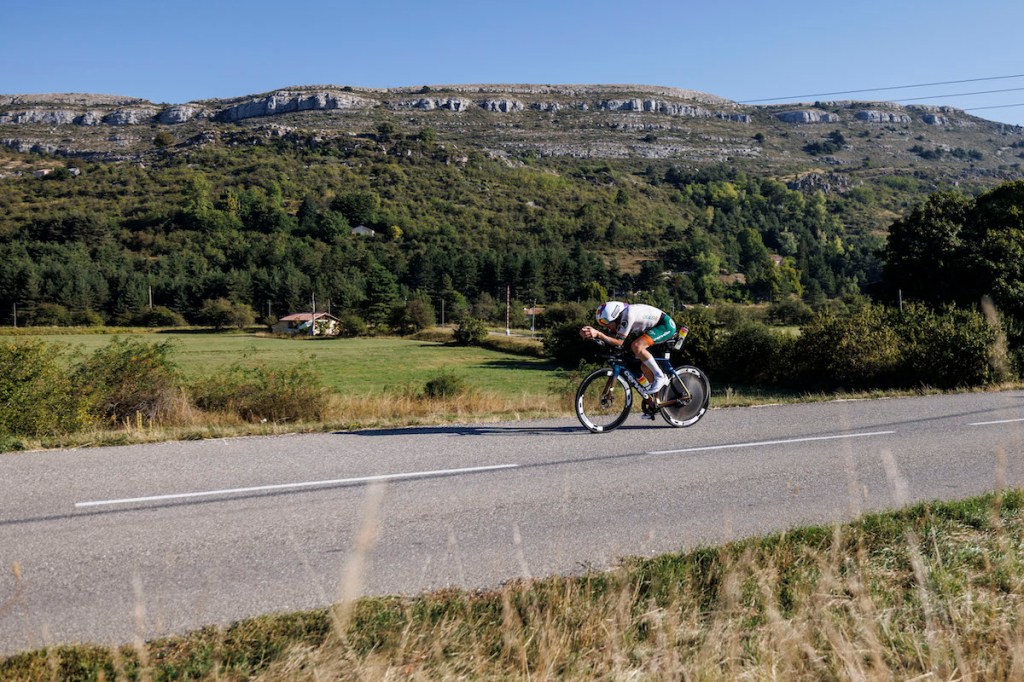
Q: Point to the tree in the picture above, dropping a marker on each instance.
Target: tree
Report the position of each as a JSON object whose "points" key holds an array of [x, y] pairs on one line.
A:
{"points": [[381, 294], [359, 207], [385, 131], [924, 253], [221, 313], [159, 316], [428, 136], [470, 332], [163, 139], [415, 315], [994, 237]]}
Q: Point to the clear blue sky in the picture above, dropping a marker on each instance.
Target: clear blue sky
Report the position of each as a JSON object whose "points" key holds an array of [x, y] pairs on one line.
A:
{"points": [[740, 49]]}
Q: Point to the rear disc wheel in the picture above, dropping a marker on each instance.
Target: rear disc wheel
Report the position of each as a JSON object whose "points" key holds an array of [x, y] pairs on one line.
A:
{"points": [[689, 412]]}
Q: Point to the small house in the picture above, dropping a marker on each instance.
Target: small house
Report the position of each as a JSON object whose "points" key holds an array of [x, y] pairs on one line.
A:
{"points": [[363, 231], [322, 324]]}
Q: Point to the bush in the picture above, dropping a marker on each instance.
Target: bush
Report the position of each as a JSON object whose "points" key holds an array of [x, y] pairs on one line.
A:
{"points": [[36, 392], [791, 311], [257, 394], [350, 325], [444, 385], [860, 350], [220, 313], [1014, 329], [86, 318], [560, 313], [50, 315], [415, 315], [732, 315], [946, 349], [129, 379], [753, 354], [700, 342], [470, 332], [159, 316], [562, 342]]}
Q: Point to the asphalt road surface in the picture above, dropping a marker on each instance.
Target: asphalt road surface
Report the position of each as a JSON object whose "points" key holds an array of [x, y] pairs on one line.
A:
{"points": [[108, 544]]}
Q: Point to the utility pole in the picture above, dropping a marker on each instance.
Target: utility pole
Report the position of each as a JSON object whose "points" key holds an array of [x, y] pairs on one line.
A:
{"points": [[508, 306], [312, 318], [15, 315], [151, 298]]}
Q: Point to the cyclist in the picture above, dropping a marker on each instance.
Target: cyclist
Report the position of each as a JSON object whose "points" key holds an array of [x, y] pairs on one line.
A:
{"points": [[624, 320]]}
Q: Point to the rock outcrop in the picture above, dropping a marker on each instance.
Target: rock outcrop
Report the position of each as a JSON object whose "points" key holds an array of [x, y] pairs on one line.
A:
{"points": [[502, 105], [655, 106], [130, 117], [875, 116], [181, 113], [44, 116], [432, 103], [119, 117], [285, 101], [808, 116]]}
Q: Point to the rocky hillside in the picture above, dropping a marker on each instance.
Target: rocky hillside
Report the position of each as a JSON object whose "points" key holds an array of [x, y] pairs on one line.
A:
{"points": [[516, 122]]}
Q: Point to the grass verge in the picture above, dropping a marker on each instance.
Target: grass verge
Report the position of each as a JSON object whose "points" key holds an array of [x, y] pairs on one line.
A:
{"points": [[935, 591]]}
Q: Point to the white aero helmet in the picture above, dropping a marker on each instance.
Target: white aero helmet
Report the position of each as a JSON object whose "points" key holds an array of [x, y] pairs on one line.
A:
{"points": [[609, 312]]}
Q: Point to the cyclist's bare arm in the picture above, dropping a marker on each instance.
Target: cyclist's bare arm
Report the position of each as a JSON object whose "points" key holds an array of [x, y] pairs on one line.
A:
{"points": [[593, 334]]}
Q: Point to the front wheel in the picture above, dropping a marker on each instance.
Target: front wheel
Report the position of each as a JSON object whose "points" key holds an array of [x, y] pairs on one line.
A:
{"points": [[697, 386], [603, 401]]}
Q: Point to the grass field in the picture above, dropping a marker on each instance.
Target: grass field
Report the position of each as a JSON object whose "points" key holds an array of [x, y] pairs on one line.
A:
{"points": [[346, 366]]}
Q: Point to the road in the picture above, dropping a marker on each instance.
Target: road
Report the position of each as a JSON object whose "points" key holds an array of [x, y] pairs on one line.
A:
{"points": [[106, 544]]}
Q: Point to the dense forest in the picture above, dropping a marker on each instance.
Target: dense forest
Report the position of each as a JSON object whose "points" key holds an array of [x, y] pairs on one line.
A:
{"points": [[269, 226]]}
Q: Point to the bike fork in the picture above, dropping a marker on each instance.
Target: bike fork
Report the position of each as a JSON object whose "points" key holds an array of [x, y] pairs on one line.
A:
{"points": [[606, 394]]}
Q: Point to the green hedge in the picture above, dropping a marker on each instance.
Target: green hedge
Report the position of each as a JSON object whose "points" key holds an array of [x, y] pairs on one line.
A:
{"points": [[869, 347], [37, 395]]}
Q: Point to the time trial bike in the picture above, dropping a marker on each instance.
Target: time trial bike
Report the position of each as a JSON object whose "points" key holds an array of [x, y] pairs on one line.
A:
{"points": [[605, 397]]}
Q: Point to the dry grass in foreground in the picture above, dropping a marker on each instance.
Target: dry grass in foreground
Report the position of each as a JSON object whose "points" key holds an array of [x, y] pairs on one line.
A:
{"points": [[340, 412], [931, 592]]}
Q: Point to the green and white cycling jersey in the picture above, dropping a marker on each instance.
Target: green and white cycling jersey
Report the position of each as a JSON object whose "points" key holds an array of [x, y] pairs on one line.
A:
{"points": [[639, 318]]}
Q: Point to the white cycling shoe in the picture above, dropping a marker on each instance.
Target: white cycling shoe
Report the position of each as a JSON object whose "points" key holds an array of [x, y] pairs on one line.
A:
{"points": [[659, 383]]}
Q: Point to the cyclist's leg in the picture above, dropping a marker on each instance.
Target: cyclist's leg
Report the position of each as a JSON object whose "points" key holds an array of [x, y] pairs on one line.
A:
{"points": [[640, 350], [662, 331]]}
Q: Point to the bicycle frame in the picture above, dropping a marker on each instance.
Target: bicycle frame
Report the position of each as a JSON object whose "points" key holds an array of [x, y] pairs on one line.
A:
{"points": [[620, 366]]}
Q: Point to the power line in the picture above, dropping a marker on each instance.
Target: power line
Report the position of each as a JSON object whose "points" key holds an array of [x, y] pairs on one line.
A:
{"points": [[996, 106], [959, 94], [893, 87]]}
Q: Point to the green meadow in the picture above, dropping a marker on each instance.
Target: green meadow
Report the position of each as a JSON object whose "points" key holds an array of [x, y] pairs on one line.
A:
{"points": [[346, 366]]}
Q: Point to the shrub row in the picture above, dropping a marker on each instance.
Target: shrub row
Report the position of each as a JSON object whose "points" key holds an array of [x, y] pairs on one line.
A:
{"points": [[867, 347], [45, 391], [874, 347]]}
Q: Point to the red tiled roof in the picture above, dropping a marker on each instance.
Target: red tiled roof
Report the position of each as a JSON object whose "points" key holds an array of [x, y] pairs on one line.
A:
{"points": [[305, 317]]}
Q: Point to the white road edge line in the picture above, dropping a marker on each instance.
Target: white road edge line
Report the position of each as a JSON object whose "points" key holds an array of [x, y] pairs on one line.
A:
{"points": [[293, 486], [771, 442], [1000, 421]]}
